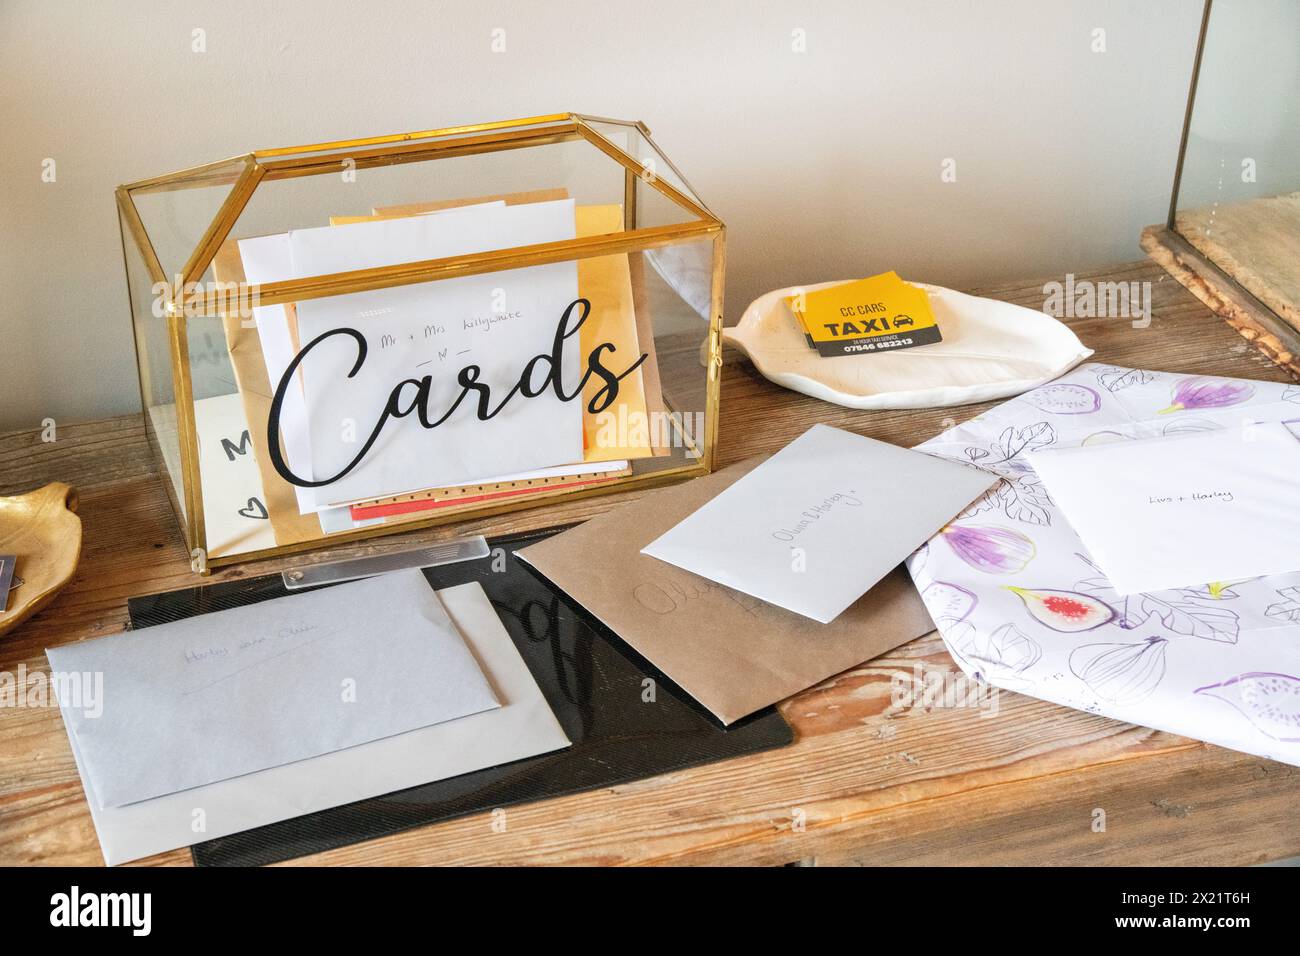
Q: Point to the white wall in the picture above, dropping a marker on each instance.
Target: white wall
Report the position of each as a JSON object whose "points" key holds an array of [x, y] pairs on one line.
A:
{"points": [[824, 164]]}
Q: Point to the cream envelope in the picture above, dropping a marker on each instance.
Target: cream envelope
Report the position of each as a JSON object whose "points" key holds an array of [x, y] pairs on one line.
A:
{"points": [[821, 521], [1186, 511], [732, 653], [523, 726]]}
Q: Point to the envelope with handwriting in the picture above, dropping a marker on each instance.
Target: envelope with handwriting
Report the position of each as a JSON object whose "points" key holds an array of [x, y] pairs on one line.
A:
{"points": [[733, 653], [821, 521], [225, 694], [1183, 511]]}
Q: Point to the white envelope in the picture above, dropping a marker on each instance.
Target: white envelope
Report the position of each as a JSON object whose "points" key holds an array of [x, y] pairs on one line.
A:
{"points": [[224, 694], [821, 521], [522, 727], [1212, 507]]}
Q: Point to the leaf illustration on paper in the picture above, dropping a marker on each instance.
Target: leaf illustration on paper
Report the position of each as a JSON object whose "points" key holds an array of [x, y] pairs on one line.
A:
{"points": [[1190, 616], [1287, 609], [1113, 378], [1025, 499], [1014, 442], [1019, 497], [1019, 494], [1271, 702], [1291, 394]]}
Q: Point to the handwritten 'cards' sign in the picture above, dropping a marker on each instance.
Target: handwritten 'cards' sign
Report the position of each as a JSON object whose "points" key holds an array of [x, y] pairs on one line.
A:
{"points": [[441, 383], [540, 377]]}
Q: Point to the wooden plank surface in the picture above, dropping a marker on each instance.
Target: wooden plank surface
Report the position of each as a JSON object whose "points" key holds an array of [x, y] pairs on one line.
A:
{"points": [[1265, 330], [865, 782], [1257, 242]]}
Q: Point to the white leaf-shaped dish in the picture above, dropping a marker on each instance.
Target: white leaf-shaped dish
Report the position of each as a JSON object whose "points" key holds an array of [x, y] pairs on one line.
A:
{"points": [[990, 349]]}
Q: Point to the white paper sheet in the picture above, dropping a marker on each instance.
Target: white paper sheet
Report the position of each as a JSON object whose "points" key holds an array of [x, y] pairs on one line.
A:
{"points": [[522, 727], [234, 518], [269, 259], [498, 322], [230, 693], [821, 521], [234, 508], [1162, 513], [1022, 604]]}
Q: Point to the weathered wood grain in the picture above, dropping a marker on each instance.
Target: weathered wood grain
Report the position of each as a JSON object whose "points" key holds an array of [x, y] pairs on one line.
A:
{"points": [[1257, 242], [1274, 334], [865, 782]]}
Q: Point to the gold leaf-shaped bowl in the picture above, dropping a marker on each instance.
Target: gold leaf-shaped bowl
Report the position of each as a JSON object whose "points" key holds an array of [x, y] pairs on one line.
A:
{"points": [[43, 530]]}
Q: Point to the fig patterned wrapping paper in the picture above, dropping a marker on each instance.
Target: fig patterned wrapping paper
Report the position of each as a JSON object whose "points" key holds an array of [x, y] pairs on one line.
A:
{"points": [[1021, 605]]}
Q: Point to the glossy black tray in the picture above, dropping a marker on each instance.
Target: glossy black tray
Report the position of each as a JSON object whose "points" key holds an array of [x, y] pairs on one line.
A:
{"points": [[593, 681]]}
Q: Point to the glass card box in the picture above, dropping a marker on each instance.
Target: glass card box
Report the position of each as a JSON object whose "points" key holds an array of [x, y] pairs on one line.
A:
{"points": [[1233, 231], [356, 338]]}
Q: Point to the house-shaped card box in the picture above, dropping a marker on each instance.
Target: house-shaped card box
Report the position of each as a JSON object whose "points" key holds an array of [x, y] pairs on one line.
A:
{"points": [[211, 345]]}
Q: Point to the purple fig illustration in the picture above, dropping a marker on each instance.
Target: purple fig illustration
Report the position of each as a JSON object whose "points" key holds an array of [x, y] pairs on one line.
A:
{"points": [[1201, 391], [948, 603], [990, 549], [1271, 702], [1121, 673], [1067, 611], [1064, 398]]}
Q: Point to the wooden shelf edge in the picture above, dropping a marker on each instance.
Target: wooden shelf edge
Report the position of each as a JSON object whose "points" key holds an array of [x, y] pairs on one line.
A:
{"points": [[1276, 339]]}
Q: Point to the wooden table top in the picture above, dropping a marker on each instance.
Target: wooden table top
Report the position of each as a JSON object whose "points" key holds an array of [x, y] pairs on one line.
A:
{"points": [[863, 783]]}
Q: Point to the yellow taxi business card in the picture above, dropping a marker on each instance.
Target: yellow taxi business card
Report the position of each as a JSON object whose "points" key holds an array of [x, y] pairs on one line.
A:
{"points": [[876, 314]]}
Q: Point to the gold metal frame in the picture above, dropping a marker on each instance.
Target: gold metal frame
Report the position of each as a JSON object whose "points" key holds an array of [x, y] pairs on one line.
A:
{"points": [[243, 174]]}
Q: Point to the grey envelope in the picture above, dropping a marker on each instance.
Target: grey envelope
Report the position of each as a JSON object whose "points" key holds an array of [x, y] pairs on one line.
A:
{"points": [[229, 693]]}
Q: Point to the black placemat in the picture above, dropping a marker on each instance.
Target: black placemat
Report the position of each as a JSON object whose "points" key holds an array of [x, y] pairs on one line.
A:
{"points": [[593, 681]]}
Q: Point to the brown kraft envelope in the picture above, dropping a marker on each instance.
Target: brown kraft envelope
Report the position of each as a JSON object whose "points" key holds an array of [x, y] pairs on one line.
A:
{"points": [[732, 652]]}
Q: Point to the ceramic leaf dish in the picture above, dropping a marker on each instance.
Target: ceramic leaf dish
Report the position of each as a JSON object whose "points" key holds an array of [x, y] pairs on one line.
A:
{"points": [[990, 349]]}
